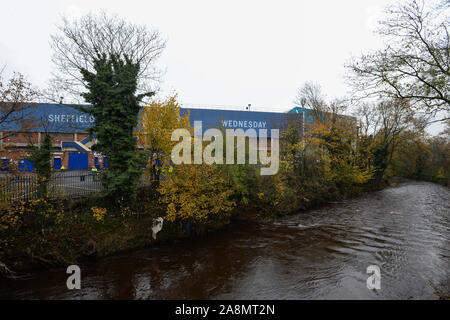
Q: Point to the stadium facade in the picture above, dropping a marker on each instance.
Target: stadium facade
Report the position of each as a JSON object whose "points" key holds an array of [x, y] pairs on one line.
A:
{"points": [[74, 148]]}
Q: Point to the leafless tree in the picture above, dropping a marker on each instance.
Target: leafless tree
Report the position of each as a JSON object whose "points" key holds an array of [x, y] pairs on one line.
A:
{"points": [[415, 64], [335, 112], [394, 117], [381, 126], [17, 97], [77, 42], [310, 96], [387, 117], [368, 118]]}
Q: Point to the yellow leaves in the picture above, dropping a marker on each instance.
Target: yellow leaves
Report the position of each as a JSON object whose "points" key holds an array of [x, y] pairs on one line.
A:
{"points": [[99, 213], [126, 211], [11, 215], [9, 220], [157, 122], [441, 173], [332, 145], [195, 192], [59, 217], [171, 212]]}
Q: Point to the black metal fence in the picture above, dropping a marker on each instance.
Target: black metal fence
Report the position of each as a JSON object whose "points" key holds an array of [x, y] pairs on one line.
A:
{"points": [[63, 184], [18, 187]]}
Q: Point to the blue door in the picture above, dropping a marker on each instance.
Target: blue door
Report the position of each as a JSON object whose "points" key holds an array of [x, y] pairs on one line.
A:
{"points": [[57, 163], [26, 165], [105, 162], [78, 161]]}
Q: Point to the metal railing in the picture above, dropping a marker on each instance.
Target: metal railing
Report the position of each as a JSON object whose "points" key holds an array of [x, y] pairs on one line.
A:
{"points": [[67, 184], [18, 187], [62, 184], [74, 184]]}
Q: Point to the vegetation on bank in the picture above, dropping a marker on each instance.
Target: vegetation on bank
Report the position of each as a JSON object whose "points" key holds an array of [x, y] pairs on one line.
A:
{"points": [[44, 233]]}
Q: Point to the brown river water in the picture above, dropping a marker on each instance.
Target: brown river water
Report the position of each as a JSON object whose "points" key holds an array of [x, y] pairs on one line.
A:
{"points": [[317, 254]]}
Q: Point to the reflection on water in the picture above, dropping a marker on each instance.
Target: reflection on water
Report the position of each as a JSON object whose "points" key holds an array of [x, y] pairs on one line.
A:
{"points": [[319, 254]]}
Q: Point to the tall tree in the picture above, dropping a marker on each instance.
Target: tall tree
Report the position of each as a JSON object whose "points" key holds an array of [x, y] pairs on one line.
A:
{"points": [[157, 122], [310, 95], [77, 43], [381, 127], [415, 64], [115, 106], [16, 105], [196, 193], [41, 158]]}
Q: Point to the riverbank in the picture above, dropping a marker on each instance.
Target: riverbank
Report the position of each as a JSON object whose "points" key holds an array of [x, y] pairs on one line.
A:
{"points": [[53, 234], [60, 233], [322, 253]]}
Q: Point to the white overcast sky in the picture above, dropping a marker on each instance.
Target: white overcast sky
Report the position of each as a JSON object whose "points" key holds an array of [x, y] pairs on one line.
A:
{"points": [[228, 53]]}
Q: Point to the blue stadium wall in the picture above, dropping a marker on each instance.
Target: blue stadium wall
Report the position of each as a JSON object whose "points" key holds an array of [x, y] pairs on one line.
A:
{"points": [[57, 118], [68, 119]]}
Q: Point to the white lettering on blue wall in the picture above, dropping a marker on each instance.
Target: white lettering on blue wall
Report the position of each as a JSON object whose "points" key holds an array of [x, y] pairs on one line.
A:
{"points": [[244, 124], [71, 118]]}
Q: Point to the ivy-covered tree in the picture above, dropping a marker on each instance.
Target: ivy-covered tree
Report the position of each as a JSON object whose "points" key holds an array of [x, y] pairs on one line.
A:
{"points": [[41, 158], [112, 92]]}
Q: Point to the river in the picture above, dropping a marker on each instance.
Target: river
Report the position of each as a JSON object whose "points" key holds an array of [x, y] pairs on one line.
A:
{"points": [[317, 254]]}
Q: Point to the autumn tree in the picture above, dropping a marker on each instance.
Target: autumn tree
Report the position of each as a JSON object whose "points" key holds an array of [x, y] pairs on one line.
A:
{"points": [[412, 156], [326, 153], [78, 42], [415, 63], [17, 97], [311, 96], [333, 141], [420, 156], [157, 121], [380, 129], [196, 193], [439, 147]]}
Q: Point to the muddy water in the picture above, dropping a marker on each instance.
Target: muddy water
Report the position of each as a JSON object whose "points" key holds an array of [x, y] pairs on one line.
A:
{"points": [[319, 254]]}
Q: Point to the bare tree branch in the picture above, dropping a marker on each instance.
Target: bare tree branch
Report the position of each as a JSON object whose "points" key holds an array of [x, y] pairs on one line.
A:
{"points": [[415, 65], [79, 41], [17, 98]]}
